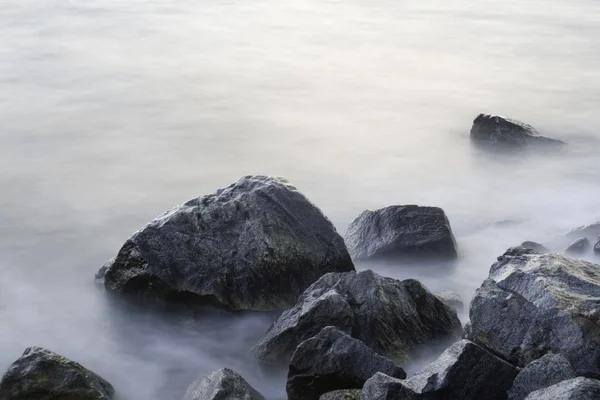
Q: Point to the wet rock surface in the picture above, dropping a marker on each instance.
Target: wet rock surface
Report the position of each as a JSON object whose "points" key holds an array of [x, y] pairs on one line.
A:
{"points": [[401, 231], [254, 245]]}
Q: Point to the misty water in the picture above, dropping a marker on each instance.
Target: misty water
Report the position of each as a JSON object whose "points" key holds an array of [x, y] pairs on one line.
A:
{"points": [[112, 111]]}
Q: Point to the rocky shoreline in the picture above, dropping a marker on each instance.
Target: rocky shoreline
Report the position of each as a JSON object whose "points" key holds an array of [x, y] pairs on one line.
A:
{"points": [[259, 245]]}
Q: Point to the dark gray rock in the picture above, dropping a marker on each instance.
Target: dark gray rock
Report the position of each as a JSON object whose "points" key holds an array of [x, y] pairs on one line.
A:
{"points": [[538, 248], [41, 374], [496, 130], [255, 245], [345, 394], [533, 304], [223, 384], [452, 299], [464, 371], [400, 231], [573, 389], [597, 246], [392, 317], [541, 373], [334, 360], [579, 246]]}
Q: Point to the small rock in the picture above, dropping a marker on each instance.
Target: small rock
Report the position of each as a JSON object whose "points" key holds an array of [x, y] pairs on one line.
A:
{"points": [[452, 299], [464, 371], [346, 394], [541, 373], [573, 389], [223, 384], [255, 245], [538, 248], [533, 304], [334, 360], [498, 130], [390, 316], [41, 374], [579, 246], [400, 231]]}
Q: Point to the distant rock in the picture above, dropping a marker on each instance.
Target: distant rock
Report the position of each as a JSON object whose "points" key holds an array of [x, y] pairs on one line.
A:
{"points": [[591, 231], [41, 374], [400, 231], [579, 246], [346, 394], [390, 316], [334, 360], [538, 248], [223, 384], [452, 299], [573, 389], [597, 246], [255, 245], [464, 371], [496, 130], [533, 304], [541, 373]]}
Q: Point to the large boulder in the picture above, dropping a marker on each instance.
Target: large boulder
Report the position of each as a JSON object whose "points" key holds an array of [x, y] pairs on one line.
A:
{"points": [[334, 360], [255, 245], [344, 394], [591, 232], [464, 371], [41, 374], [533, 304], [390, 316], [400, 231], [452, 299], [539, 374], [223, 384], [496, 130], [573, 389]]}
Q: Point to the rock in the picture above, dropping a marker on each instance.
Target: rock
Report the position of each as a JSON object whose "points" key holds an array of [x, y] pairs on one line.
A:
{"points": [[597, 246], [41, 374], [334, 360], [223, 384], [255, 245], [392, 317], [464, 371], [452, 299], [591, 232], [541, 373], [538, 248], [573, 389], [400, 231], [498, 130], [533, 304], [345, 394], [579, 246]]}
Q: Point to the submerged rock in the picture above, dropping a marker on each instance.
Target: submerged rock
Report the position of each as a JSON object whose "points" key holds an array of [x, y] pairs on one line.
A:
{"points": [[255, 245], [41, 374], [334, 360], [537, 247], [579, 246], [390, 316], [533, 304], [498, 130], [346, 394], [399, 231], [223, 384], [541, 373], [452, 299], [464, 371], [573, 389]]}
